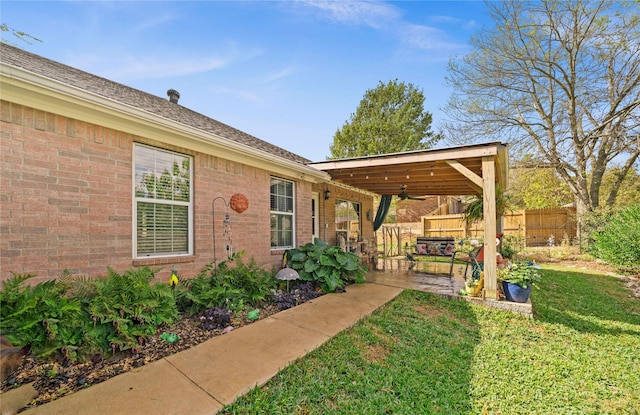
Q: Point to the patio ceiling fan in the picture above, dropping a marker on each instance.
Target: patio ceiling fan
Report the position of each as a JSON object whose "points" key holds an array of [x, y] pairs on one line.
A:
{"points": [[404, 196]]}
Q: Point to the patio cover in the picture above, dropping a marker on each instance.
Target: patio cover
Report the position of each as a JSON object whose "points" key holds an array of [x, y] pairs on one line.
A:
{"points": [[468, 170]]}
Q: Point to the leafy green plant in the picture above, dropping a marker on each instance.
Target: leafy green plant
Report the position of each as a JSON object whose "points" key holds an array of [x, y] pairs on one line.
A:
{"points": [[593, 223], [520, 273], [127, 308], [232, 284], [619, 242], [203, 292], [253, 281], [474, 210], [510, 246], [41, 316], [328, 265]]}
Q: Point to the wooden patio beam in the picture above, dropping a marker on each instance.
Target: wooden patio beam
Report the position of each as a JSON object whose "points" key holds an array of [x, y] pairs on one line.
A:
{"points": [[476, 181], [489, 210]]}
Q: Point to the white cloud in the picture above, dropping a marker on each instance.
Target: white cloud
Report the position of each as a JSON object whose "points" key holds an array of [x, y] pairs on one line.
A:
{"points": [[390, 19], [278, 75], [151, 64], [428, 38], [373, 14], [152, 22], [454, 21], [243, 94], [137, 67]]}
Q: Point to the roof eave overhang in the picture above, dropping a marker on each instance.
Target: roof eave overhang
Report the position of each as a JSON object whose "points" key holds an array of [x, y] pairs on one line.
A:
{"points": [[32, 90]]}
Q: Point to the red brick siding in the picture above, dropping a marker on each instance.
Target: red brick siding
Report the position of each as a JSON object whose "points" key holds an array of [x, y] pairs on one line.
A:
{"points": [[65, 189]]}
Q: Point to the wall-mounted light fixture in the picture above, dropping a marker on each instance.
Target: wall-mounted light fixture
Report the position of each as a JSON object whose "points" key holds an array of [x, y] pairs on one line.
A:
{"points": [[327, 194]]}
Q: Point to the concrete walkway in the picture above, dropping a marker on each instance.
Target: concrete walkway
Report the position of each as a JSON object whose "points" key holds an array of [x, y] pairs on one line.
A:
{"points": [[204, 378]]}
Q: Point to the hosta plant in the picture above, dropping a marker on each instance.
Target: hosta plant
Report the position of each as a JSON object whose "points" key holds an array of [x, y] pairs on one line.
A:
{"points": [[326, 264]]}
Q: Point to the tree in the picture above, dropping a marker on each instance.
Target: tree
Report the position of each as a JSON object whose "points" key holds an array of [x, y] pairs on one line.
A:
{"points": [[628, 190], [390, 118], [534, 186], [560, 80], [23, 36]]}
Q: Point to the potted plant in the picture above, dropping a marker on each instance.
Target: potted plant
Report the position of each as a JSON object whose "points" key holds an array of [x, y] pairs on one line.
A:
{"points": [[474, 210], [518, 279], [473, 287]]}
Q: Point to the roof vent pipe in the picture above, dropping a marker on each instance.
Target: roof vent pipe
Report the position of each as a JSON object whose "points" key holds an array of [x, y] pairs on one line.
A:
{"points": [[173, 95]]}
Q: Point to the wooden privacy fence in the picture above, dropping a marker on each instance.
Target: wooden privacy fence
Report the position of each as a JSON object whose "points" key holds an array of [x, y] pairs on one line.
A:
{"points": [[537, 227]]}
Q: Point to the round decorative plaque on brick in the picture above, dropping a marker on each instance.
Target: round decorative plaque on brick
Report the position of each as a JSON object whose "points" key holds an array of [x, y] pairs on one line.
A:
{"points": [[239, 202]]}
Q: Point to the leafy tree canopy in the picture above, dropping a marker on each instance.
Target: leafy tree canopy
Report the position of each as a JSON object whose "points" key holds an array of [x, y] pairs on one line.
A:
{"points": [[535, 185], [390, 118], [558, 79]]}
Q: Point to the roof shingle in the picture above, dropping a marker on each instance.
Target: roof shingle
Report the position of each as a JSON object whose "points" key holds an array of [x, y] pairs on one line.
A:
{"points": [[13, 56]]}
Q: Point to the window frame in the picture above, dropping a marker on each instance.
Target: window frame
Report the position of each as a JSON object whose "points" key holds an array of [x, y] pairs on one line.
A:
{"points": [[315, 215], [281, 213], [138, 199], [349, 246]]}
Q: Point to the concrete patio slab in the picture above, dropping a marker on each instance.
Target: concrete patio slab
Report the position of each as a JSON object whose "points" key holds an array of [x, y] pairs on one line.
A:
{"points": [[434, 277]]}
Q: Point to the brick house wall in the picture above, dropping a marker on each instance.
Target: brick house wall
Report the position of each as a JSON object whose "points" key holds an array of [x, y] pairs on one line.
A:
{"points": [[66, 195]]}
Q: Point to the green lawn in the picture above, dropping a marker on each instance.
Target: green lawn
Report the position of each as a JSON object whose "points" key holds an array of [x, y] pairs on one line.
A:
{"points": [[421, 354]]}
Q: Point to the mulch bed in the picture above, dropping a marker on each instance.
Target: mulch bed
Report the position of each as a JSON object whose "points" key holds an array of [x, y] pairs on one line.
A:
{"points": [[53, 380]]}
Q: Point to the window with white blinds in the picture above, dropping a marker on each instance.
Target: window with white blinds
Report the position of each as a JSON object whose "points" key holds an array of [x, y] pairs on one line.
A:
{"points": [[282, 213], [163, 202]]}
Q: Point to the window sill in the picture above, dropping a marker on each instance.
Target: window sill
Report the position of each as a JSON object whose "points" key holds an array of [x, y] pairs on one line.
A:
{"points": [[140, 262]]}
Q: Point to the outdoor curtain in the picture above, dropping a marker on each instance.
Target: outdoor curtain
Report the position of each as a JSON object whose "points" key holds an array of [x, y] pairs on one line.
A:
{"points": [[383, 209]]}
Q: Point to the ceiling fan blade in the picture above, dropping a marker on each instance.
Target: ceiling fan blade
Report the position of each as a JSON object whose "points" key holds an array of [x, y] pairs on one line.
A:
{"points": [[415, 198]]}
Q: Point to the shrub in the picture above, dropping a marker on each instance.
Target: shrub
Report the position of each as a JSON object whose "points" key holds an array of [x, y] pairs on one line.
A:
{"points": [[328, 265], [619, 242], [202, 292], [42, 316], [593, 223], [232, 284], [253, 281], [126, 308], [78, 317]]}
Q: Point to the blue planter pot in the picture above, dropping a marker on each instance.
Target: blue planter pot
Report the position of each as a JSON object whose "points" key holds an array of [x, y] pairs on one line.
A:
{"points": [[515, 293]]}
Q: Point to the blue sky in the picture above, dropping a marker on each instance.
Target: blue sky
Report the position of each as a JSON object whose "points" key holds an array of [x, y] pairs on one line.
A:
{"points": [[288, 72]]}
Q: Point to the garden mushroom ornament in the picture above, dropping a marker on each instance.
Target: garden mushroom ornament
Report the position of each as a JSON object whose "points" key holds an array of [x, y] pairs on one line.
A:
{"points": [[287, 274]]}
